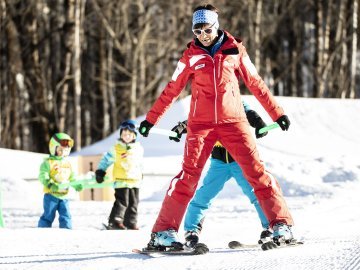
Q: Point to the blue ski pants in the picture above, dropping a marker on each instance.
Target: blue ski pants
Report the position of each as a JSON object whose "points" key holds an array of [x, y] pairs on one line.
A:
{"points": [[218, 174], [51, 205]]}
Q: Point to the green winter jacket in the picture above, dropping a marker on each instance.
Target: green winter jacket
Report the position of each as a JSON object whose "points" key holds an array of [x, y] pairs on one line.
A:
{"points": [[56, 170]]}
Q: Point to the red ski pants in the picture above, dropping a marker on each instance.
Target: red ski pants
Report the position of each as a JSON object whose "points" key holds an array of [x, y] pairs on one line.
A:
{"points": [[237, 139]]}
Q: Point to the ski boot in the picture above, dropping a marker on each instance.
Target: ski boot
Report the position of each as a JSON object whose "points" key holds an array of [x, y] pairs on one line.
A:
{"points": [[116, 226], [132, 227], [282, 234], [282, 237], [192, 243], [265, 236], [164, 241], [191, 238]]}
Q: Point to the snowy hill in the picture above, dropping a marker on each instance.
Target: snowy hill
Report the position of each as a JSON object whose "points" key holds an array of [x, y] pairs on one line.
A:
{"points": [[316, 162]]}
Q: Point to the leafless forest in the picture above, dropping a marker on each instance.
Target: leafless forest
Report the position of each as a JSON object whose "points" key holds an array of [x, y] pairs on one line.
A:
{"points": [[83, 66]]}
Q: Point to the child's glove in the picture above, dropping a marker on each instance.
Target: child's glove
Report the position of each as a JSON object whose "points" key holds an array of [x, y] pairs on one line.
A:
{"points": [[145, 127], [256, 122], [53, 187], [283, 122], [99, 176], [180, 129], [78, 188]]}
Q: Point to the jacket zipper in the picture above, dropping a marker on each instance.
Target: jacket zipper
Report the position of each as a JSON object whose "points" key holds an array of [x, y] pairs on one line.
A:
{"points": [[215, 89], [219, 67]]}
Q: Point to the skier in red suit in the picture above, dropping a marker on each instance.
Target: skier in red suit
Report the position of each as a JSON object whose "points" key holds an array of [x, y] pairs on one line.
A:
{"points": [[214, 62]]}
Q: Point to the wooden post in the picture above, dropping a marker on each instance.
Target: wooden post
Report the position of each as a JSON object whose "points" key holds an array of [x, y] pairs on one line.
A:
{"points": [[92, 196]]}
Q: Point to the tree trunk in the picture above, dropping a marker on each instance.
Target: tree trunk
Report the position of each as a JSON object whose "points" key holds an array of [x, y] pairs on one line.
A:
{"points": [[257, 34], [79, 14], [63, 86], [319, 63], [353, 49]]}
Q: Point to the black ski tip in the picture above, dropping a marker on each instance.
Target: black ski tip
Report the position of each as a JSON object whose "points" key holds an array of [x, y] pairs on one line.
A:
{"points": [[200, 248], [268, 246], [239, 245], [234, 244]]}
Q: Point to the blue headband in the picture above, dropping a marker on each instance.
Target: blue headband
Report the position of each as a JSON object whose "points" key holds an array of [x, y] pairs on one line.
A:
{"points": [[205, 16]]}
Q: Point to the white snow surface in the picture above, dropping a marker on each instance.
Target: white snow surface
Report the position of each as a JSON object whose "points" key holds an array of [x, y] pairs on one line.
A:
{"points": [[316, 162]]}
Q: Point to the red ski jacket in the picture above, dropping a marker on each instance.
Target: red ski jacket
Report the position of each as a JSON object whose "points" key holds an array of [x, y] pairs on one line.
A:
{"points": [[215, 85]]}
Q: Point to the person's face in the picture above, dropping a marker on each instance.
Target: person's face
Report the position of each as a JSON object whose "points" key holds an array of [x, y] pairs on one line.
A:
{"points": [[206, 35], [127, 136], [63, 151]]}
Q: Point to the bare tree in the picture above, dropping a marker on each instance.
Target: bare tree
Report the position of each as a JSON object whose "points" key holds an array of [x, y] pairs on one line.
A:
{"points": [[84, 66], [354, 45]]}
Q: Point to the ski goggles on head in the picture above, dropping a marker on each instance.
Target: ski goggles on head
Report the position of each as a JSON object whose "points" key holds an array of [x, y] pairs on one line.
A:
{"points": [[129, 126], [64, 142]]}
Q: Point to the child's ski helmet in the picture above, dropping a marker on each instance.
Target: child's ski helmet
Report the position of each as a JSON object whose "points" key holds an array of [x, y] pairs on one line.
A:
{"points": [[59, 139], [128, 124]]}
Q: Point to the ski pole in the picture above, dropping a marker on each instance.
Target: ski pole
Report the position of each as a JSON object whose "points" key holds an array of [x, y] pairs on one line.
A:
{"points": [[113, 184], [159, 131], [269, 127], [83, 182]]}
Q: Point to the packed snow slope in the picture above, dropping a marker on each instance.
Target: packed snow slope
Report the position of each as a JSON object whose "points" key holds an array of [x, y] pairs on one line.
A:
{"points": [[316, 162]]}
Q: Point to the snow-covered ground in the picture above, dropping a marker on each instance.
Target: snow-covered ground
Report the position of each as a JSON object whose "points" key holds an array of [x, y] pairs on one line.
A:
{"points": [[316, 162]]}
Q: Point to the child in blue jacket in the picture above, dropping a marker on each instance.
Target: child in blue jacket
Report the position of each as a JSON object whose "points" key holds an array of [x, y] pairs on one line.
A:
{"points": [[127, 157]]}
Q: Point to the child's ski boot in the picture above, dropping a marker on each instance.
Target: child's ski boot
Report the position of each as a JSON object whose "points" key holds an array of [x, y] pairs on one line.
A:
{"points": [[265, 236], [115, 226], [191, 238]]}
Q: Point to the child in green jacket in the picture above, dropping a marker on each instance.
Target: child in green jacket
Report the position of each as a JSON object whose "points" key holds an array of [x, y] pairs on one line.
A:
{"points": [[55, 170]]}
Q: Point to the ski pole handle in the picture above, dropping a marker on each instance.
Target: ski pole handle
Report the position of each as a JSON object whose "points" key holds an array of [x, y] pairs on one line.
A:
{"points": [[269, 127], [160, 131]]}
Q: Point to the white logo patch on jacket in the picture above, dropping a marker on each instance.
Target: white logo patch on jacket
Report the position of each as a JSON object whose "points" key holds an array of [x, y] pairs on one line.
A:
{"points": [[194, 59], [199, 66]]}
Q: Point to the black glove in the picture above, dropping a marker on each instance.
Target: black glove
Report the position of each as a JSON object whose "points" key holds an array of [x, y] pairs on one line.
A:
{"points": [[180, 129], [99, 176], [145, 127], [256, 122], [283, 122]]}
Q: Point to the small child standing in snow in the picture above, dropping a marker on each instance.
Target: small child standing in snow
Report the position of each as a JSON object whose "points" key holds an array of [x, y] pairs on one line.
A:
{"points": [[127, 157], [55, 170]]}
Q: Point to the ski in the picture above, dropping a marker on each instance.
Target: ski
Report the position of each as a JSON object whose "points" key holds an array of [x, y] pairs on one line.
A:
{"points": [[199, 249], [282, 244], [266, 246], [239, 245]]}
